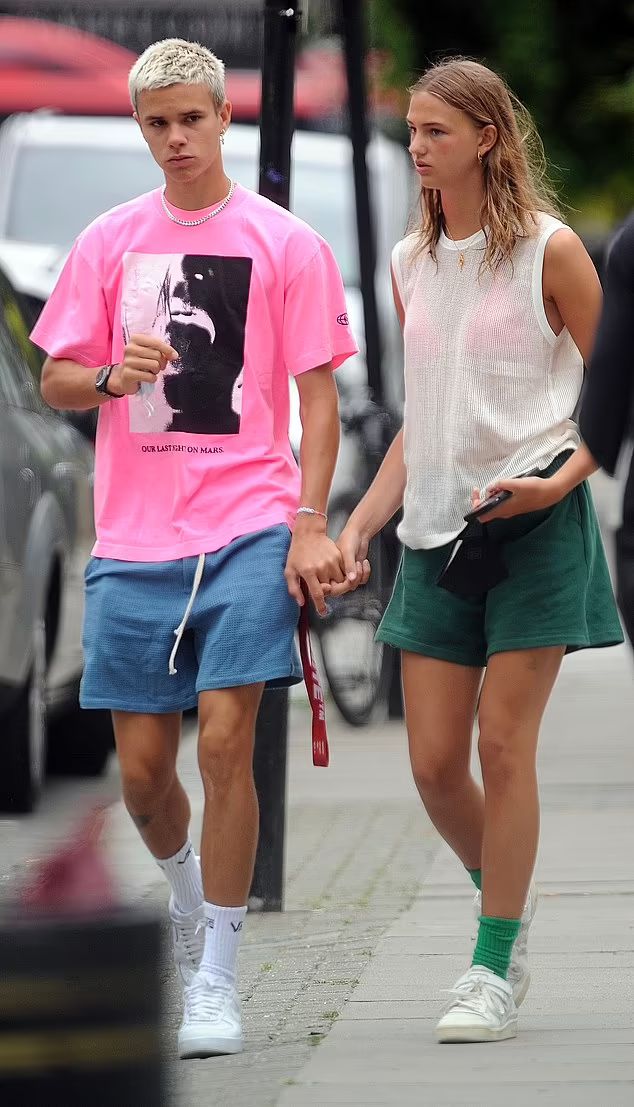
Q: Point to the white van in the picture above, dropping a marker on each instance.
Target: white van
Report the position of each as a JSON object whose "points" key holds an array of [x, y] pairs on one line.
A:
{"points": [[60, 172]]}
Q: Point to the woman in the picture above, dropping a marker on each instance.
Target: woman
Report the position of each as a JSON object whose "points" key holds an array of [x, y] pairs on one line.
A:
{"points": [[499, 302]]}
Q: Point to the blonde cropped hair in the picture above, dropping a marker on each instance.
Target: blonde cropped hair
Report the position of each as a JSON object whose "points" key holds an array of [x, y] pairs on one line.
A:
{"points": [[516, 185], [175, 61]]}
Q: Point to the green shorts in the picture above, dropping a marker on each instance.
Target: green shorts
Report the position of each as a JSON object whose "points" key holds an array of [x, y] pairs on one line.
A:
{"points": [[557, 593]]}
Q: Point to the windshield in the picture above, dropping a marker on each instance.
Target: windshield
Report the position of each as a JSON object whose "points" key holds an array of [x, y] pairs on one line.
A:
{"points": [[57, 191]]}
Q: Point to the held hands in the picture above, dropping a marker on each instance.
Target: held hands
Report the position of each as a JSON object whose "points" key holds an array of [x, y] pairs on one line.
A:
{"points": [[353, 547], [329, 568], [144, 358], [314, 557], [528, 494]]}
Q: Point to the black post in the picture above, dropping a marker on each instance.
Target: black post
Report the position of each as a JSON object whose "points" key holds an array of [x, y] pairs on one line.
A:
{"points": [[276, 116], [269, 763], [352, 12]]}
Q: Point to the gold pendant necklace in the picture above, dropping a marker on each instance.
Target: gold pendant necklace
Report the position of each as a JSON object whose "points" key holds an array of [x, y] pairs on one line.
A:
{"points": [[461, 261]]}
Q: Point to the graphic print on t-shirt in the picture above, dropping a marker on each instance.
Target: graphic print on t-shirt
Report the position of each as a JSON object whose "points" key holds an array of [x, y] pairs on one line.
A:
{"points": [[198, 304]]}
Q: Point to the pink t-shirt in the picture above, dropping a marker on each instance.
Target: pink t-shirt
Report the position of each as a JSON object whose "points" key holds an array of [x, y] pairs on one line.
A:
{"points": [[202, 456]]}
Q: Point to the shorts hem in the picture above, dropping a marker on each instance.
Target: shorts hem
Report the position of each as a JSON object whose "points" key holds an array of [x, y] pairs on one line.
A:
{"points": [[439, 653], [243, 682], [92, 703], [570, 642]]}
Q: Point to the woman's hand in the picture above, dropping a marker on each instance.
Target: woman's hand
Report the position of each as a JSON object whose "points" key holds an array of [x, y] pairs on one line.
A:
{"points": [[353, 546], [528, 494]]}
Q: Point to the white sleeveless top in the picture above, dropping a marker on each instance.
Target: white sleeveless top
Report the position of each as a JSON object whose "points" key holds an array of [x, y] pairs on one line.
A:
{"points": [[489, 388]]}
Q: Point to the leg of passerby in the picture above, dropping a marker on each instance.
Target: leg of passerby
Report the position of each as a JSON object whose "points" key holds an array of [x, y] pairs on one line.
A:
{"points": [[440, 703], [515, 692], [147, 746], [212, 1022]]}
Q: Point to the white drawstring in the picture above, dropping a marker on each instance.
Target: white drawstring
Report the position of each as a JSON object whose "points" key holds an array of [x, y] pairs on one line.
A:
{"points": [[180, 629]]}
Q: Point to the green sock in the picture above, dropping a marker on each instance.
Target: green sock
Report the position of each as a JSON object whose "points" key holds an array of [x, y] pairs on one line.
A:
{"points": [[476, 876], [495, 943]]}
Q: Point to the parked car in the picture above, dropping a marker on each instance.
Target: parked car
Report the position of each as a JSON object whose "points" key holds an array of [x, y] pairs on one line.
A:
{"points": [[46, 532], [91, 164], [46, 64]]}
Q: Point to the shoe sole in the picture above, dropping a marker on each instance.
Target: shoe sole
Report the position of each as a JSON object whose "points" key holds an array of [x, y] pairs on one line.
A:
{"points": [[204, 1046], [457, 1034]]}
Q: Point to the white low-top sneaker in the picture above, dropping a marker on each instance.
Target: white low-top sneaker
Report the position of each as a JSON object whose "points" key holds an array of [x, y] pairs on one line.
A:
{"points": [[188, 939], [518, 974], [482, 1009], [212, 1023]]}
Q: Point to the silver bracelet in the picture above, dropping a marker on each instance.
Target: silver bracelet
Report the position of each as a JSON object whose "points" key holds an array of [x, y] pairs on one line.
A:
{"points": [[311, 511]]}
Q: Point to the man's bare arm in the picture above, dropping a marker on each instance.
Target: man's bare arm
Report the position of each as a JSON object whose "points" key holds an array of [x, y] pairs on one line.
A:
{"points": [[69, 386]]}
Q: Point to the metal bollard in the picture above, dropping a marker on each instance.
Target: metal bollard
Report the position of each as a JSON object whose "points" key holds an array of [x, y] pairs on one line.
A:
{"points": [[269, 767], [281, 27]]}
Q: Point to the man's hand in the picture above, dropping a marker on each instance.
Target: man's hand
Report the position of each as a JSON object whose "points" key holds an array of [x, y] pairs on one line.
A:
{"points": [[144, 358], [314, 557], [528, 494]]}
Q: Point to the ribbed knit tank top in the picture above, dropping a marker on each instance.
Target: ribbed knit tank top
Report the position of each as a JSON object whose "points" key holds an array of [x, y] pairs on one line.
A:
{"points": [[490, 389]]}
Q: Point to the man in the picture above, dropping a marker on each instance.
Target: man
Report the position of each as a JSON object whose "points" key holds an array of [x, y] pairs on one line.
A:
{"points": [[606, 413], [180, 314]]}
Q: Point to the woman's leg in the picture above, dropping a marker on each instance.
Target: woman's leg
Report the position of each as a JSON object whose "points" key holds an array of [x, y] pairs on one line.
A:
{"points": [[515, 692], [516, 689], [440, 703]]}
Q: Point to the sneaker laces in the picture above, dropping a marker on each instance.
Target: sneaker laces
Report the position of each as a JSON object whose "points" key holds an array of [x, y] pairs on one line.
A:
{"points": [[205, 1001], [478, 996], [187, 938]]}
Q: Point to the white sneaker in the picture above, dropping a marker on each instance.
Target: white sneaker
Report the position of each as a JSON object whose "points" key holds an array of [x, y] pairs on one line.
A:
{"points": [[188, 939], [518, 974], [483, 1009], [211, 1023]]}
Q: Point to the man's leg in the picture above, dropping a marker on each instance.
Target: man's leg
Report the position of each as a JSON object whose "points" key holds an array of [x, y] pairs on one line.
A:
{"points": [[147, 746], [212, 1022], [230, 823]]}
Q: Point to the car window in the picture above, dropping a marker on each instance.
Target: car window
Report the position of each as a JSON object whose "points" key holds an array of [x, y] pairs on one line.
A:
{"points": [[81, 183], [20, 364]]}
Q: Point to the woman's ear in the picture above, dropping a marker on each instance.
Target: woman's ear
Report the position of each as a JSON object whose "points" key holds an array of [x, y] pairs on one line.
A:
{"points": [[488, 139]]}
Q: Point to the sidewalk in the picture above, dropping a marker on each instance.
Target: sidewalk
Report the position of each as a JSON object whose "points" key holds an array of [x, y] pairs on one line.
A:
{"points": [[341, 992], [576, 1043]]}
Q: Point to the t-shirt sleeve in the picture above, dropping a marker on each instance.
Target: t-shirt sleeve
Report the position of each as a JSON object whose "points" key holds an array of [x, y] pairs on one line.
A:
{"points": [[316, 327], [74, 322]]}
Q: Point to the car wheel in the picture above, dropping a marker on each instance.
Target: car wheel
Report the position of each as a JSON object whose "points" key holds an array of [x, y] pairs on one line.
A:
{"points": [[80, 742], [24, 736]]}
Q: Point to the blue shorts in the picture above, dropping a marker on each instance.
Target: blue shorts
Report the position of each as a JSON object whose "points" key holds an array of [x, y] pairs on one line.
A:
{"points": [[240, 629]]}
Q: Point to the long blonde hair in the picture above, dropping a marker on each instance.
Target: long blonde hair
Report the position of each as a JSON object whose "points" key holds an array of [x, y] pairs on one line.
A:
{"points": [[514, 170]]}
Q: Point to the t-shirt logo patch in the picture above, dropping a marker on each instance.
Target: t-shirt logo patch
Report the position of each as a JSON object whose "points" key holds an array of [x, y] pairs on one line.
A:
{"points": [[343, 319], [197, 303]]}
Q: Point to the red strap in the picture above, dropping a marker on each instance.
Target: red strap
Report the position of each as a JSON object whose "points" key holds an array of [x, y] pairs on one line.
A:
{"points": [[321, 754]]}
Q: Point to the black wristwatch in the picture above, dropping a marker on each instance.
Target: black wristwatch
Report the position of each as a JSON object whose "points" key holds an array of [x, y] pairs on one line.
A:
{"points": [[101, 383]]}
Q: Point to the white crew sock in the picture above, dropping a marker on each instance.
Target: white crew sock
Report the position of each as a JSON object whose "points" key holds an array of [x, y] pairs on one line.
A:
{"points": [[223, 931], [185, 879]]}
